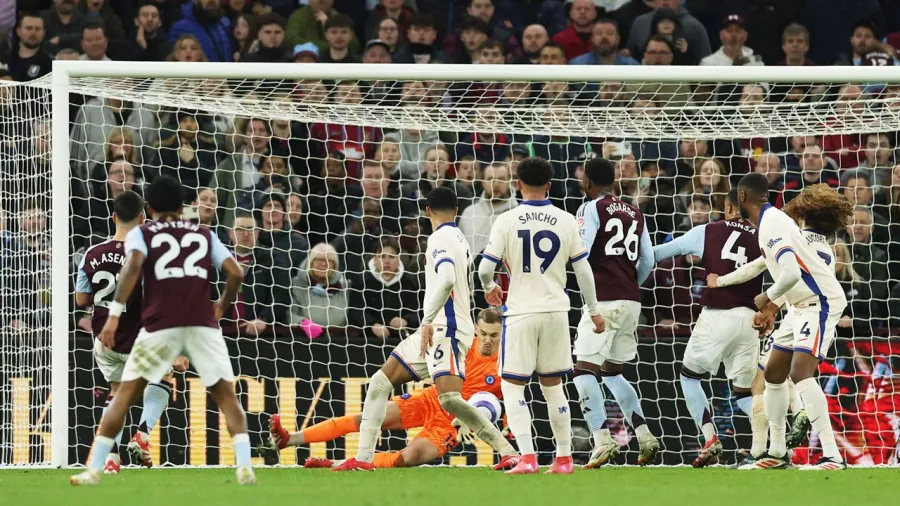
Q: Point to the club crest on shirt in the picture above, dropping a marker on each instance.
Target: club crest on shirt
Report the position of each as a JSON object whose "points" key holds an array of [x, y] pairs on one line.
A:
{"points": [[490, 379]]}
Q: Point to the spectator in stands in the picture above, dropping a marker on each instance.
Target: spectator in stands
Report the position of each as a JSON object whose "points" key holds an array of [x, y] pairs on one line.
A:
{"points": [[562, 151], [207, 206], [552, 54], [860, 310], [605, 41], [878, 155], [869, 258], [856, 185], [499, 26], [486, 147], [661, 51], [388, 32], [291, 140], [388, 155], [844, 148], [694, 32], [813, 171], [24, 55], [187, 49], [100, 10], [119, 143], [497, 198], [699, 211], [354, 141], [413, 145], [63, 24], [463, 47], [627, 185], [376, 186], [271, 47], [576, 39], [150, 37], [795, 44], [320, 291], [710, 181], [420, 38], [306, 53], [386, 293], [311, 24], [204, 20], [275, 232], [241, 37], [188, 155], [265, 298], [377, 51], [433, 169], [690, 153], [118, 177], [863, 41], [26, 270], [769, 164], [396, 11], [363, 233], [667, 22], [795, 151], [294, 211], [534, 38], [339, 35], [274, 177], [733, 36], [94, 43], [329, 206]]}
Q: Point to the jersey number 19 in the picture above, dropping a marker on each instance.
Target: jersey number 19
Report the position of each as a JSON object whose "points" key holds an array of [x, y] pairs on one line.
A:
{"points": [[530, 242]]}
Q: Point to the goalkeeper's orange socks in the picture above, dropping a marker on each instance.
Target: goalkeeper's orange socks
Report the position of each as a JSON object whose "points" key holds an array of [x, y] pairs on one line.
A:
{"points": [[389, 459], [330, 429]]}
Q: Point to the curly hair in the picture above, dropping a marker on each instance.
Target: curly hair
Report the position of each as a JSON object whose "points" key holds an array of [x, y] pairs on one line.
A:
{"points": [[821, 207]]}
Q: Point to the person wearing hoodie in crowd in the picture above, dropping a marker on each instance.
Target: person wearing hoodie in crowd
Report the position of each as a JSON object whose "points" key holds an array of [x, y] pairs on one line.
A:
{"points": [[203, 19], [668, 23], [694, 32], [497, 198], [272, 47], [388, 293], [276, 233], [320, 292]]}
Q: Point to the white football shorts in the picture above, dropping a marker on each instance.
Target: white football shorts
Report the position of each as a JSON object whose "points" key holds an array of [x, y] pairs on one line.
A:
{"points": [[153, 354], [724, 336], [445, 356], [535, 343], [111, 363], [803, 329], [618, 343]]}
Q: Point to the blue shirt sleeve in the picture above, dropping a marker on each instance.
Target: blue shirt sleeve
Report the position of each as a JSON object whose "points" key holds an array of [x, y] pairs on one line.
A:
{"points": [[82, 283], [588, 224], [134, 241], [690, 243], [645, 256], [218, 250]]}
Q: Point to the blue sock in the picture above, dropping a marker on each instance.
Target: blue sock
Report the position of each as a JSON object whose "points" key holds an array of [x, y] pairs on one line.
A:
{"points": [[627, 398], [118, 439], [590, 395], [745, 404], [101, 448], [241, 445], [697, 403], [156, 397]]}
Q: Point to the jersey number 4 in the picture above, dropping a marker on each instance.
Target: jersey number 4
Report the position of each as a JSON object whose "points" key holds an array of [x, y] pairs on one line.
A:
{"points": [[162, 270], [622, 243], [729, 252], [545, 255]]}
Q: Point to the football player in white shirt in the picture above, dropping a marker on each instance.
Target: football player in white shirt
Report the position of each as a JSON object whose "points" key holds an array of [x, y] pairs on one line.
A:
{"points": [[537, 240], [438, 350], [804, 276], [821, 211]]}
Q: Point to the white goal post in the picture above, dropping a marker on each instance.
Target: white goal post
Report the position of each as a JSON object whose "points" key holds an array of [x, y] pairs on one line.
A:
{"points": [[673, 118]]}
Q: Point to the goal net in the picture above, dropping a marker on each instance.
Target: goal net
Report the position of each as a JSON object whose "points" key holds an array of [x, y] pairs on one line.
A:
{"points": [[317, 179]]}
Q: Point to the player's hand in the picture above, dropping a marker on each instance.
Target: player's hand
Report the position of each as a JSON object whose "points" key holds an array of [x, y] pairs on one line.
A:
{"points": [[427, 332], [495, 296], [220, 310], [761, 301], [254, 326], [84, 323], [764, 322], [599, 323], [181, 364], [845, 322], [463, 433], [712, 280], [381, 331], [108, 334], [398, 323]]}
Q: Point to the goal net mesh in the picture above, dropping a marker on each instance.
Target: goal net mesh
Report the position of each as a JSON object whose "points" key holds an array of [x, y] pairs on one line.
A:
{"points": [[319, 185]]}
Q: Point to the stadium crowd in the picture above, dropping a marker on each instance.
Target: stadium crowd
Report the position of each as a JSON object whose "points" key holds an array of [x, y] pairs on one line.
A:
{"points": [[327, 217]]}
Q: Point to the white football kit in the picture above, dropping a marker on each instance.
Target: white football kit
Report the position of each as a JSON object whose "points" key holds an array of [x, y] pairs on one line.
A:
{"points": [[817, 301], [536, 241], [454, 329]]}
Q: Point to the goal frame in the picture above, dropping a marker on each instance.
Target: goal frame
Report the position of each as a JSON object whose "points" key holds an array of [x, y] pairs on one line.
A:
{"points": [[64, 71]]}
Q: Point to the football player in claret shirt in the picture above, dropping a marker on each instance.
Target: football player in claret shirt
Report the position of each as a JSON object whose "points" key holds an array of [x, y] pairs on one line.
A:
{"points": [[174, 256]]}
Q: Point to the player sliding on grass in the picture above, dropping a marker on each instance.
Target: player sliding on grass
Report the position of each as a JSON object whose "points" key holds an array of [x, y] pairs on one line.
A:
{"points": [[421, 408], [804, 276], [822, 212], [440, 346]]}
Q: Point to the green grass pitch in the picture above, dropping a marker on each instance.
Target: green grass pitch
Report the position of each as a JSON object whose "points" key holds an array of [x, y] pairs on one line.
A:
{"points": [[456, 487]]}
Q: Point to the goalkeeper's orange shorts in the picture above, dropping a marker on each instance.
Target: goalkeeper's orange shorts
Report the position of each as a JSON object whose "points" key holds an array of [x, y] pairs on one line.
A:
{"points": [[423, 409]]}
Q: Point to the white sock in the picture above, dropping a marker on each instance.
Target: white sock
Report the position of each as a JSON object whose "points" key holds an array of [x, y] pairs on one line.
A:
{"points": [[590, 395], [759, 424], [560, 418], [517, 415], [796, 399], [373, 414], [118, 439], [776, 399], [817, 410], [698, 405], [453, 403], [156, 397], [627, 398], [241, 444], [745, 404], [102, 446]]}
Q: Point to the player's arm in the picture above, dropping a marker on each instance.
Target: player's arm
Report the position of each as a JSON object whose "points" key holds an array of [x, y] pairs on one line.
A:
{"points": [[690, 243], [224, 260], [83, 295], [584, 276], [437, 293], [742, 274], [788, 275], [645, 256], [490, 259]]}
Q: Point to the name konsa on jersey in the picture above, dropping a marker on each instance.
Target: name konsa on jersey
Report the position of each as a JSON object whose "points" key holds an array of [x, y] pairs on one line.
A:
{"points": [[186, 225], [538, 216], [620, 207], [743, 226], [108, 258]]}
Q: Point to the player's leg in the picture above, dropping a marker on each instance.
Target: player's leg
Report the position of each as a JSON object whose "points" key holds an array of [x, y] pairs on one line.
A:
{"points": [[554, 362], [759, 422], [800, 424], [587, 349], [156, 398], [712, 336], [518, 358], [560, 422], [776, 399], [225, 397], [111, 365], [114, 460], [627, 398]]}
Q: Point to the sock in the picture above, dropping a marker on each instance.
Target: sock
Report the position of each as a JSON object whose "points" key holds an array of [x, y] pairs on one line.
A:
{"points": [[118, 439], [389, 459], [627, 398], [453, 403], [776, 399], [560, 418], [817, 410], [518, 417], [373, 414], [698, 406], [330, 429], [590, 395], [156, 397], [99, 452], [796, 400], [241, 445], [759, 425], [744, 402]]}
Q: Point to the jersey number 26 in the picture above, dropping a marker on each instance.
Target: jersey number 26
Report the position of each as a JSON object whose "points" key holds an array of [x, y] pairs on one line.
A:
{"points": [[622, 243]]}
